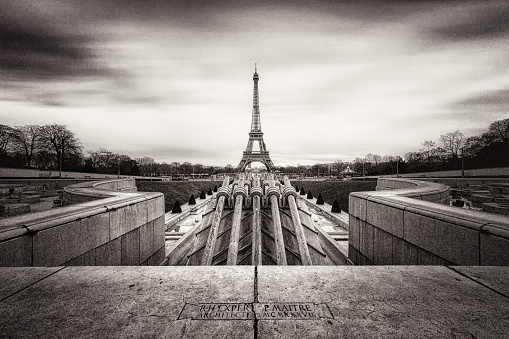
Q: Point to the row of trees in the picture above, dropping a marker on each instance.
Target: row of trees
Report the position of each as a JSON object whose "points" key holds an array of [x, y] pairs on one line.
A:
{"points": [[451, 151], [148, 167], [54, 147], [454, 151], [44, 147]]}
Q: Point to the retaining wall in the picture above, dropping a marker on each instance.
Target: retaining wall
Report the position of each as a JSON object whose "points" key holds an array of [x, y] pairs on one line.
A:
{"points": [[478, 172], [404, 223], [6, 172], [108, 225]]}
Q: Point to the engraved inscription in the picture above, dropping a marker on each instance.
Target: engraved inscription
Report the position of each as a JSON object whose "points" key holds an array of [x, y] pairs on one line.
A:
{"points": [[294, 311], [213, 311], [261, 311]]}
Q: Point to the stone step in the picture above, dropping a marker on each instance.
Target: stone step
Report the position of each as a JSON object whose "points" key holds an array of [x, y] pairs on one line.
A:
{"points": [[174, 233]]}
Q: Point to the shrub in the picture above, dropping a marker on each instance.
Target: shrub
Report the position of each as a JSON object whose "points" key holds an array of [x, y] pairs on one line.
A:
{"points": [[215, 188], [302, 191], [202, 195], [296, 188], [310, 195], [209, 192], [335, 207], [192, 200], [176, 207], [319, 200]]}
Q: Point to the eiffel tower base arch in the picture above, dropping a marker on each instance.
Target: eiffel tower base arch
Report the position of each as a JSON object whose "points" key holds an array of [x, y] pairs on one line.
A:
{"points": [[250, 157]]}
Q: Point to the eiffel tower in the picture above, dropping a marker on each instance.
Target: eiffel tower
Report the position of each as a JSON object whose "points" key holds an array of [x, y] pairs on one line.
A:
{"points": [[256, 134]]}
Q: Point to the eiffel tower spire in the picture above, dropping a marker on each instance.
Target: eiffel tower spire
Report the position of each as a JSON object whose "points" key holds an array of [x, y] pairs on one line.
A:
{"points": [[256, 134]]}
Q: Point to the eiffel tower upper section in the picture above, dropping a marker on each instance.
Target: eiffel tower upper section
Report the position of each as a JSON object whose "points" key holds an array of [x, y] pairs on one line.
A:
{"points": [[256, 134]]}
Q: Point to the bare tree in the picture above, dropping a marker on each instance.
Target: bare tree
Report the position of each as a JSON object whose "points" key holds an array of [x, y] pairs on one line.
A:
{"points": [[452, 142], [499, 130], [145, 161], [27, 140], [6, 137], [61, 141]]}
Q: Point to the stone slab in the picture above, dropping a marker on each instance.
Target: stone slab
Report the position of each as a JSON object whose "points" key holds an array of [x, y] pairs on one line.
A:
{"points": [[15, 279], [221, 302], [16, 252], [383, 302], [127, 302], [495, 277]]}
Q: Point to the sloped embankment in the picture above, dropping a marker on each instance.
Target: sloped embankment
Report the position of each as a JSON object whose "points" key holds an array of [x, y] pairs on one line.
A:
{"points": [[176, 190], [340, 190]]}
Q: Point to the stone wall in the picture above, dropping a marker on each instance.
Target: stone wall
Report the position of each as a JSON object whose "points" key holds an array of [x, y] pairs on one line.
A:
{"points": [[108, 228], [404, 223], [479, 172], [6, 172]]}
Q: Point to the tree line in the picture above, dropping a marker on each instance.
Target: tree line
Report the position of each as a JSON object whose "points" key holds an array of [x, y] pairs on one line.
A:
{"points": [[451, 151], [54, 147]]}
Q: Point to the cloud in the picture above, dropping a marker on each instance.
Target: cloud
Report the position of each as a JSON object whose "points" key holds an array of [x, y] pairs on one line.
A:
{"points": [[338, 79], [36, 50], [485, 106], [474, 21]]}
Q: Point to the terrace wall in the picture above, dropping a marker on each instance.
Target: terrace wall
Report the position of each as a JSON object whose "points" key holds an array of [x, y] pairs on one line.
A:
{"points": [[405, 222], [108, 224]]}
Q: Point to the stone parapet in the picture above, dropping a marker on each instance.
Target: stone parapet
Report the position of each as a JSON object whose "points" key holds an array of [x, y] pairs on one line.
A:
{"points": [[254, 302], [403, 223], [103, 227]]}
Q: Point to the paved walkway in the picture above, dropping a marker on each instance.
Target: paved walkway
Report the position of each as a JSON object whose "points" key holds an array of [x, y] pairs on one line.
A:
{"points": [[254, 302]]}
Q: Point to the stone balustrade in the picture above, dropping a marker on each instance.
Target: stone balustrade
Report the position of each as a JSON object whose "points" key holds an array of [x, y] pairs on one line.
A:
{"points": [[104, 223], [406, 222]]}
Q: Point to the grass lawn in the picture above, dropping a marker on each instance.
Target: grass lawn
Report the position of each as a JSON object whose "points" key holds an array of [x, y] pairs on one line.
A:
{"points": [[177, 190], [331, 190], [182, 190]]}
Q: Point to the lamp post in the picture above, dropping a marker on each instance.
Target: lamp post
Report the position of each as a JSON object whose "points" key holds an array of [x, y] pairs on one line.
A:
{"points": [[462, 163], [60, 162]]}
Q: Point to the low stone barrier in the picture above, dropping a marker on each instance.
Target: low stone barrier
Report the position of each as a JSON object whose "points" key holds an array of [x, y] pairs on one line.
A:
{"points": [[404, 223], [108, 223]]}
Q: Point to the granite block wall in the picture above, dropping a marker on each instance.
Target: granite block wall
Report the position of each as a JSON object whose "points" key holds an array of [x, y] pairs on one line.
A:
{"points": [[405, 222], [120, 228]]}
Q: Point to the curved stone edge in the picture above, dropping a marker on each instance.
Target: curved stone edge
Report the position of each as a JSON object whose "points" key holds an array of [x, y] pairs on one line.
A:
{"points": [[405, 222], [122, 227]]}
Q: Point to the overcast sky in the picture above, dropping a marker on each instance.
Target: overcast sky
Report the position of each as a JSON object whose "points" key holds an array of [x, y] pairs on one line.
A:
{"points": [[173, 79]]}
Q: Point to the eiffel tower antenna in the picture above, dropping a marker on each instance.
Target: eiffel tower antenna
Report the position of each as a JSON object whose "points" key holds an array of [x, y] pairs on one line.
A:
{"points": [[256, 134]]}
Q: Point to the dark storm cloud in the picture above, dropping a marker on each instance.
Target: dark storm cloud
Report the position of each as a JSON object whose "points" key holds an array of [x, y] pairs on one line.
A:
{"points": [[40, 54], [496, 100], [479, 21], [36, 45]]}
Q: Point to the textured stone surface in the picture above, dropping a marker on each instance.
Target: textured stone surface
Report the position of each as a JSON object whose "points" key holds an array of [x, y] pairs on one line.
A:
{"points": [[382, 247], [388, 301], [16, 252], [403, 252], [17, 278], [57, 245], [449, 241], [109, 254], [146, 241], [494, 277], [290, 302], [366, 240], [494, 250], [130, 248], [386, 216], [354, 232], [127, 302]]}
